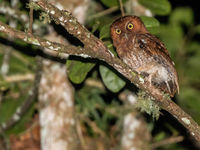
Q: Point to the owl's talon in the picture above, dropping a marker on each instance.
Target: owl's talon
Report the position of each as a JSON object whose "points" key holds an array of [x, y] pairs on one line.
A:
{"points": [[150, 80], [168, 86]]}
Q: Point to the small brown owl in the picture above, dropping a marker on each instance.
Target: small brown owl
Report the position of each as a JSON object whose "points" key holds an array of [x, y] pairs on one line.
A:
{"points": [[144, 53]]}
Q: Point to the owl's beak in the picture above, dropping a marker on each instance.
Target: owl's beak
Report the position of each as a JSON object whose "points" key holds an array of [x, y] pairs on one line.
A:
{"points": [[125, 35]]}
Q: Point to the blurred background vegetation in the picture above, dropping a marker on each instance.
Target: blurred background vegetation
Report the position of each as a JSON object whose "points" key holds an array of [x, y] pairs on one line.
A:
{"points": [[100, 90]]}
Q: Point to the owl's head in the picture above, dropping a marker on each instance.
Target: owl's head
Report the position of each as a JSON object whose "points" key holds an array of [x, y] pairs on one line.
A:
{"points": [[125, 27]]}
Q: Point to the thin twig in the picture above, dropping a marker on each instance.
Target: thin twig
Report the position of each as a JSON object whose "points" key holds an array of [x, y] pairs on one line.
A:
{"points": [[167, 141], [19, 77], [80, 135], [121, 7], [30, 30], [6, 62], [94, 83], [1, 97], [103, 13], [5, 142]]}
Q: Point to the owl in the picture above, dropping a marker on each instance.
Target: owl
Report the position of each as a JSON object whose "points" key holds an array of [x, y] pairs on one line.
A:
{"points": [[145, 53]]}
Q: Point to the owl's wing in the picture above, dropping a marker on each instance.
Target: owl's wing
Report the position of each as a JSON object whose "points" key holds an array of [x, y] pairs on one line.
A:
{"points": [[156, 49], [153, 46]]}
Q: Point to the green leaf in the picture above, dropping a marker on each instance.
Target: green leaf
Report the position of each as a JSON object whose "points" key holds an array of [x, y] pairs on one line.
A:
{"points": [[99, 22], [3, 18], [160, 136], [90, 103], [171, 35], [182, 15], [193, 72], [10, 104], [112, 3], [190, 101], [78, 70], [159, 7], [151, 24], [197, 29], [112, 81], [88, 99], [95, 26], [105, 32], [20, 64], [193, 47], [110, 47], [3, 84], [21, 126]]}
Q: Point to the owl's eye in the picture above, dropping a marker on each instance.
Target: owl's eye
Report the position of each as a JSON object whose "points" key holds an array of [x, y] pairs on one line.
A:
{"points": [[130, 26], [118, 31]]}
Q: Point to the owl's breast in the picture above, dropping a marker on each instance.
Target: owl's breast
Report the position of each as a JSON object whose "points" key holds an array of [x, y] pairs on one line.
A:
{"points": [[132, 56]]}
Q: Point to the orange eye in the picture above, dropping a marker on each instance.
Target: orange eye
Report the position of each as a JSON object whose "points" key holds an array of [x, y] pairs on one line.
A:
{"points": [[130, 26], [118, 31]]}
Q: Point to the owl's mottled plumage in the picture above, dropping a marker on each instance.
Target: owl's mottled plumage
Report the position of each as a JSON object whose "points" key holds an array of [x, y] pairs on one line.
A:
{"points": [[145, 53]]}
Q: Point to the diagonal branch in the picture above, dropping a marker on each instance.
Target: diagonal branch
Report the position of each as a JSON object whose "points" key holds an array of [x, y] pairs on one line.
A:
{"points": [[93, 47], [167, 141]]}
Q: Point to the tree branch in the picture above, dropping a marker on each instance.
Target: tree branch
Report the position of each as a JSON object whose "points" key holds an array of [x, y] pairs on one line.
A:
{"points": [[93, 47], [167, 141]]}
